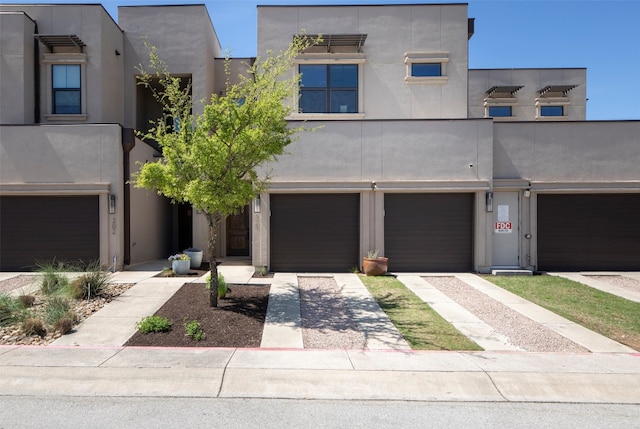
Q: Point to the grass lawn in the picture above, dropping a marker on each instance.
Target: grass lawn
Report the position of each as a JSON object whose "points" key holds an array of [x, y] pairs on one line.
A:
{"points": [[607, 314], [423, 328]]}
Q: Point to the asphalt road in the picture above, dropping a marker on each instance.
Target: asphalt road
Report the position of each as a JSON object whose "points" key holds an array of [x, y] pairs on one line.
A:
{"points": [[108, 412]]}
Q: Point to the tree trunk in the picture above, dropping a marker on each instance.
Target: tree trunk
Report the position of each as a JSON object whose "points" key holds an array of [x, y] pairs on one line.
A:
{"points": [[213, 221]]}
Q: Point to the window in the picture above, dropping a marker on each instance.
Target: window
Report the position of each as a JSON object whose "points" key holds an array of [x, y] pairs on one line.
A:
{"points": [[328, 88], [66, 88], [426, 69], [500, 111], [551, 111]]}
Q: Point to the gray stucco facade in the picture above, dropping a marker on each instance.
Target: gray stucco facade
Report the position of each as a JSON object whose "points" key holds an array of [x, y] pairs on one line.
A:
{"points": [[450, 148]]}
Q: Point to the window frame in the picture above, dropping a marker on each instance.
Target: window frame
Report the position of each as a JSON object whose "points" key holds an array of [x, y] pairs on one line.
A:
{"points": [[329, 59], [500, 106], [542, 102], [63, 89], [54, 59]]}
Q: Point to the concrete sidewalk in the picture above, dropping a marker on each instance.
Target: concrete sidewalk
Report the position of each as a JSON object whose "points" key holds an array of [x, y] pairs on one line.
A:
{"points": [[281, 368], [320, 374]]}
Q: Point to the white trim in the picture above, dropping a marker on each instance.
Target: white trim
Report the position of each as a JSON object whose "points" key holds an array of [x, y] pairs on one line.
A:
{"points": [[441, 58], [65, 59]]}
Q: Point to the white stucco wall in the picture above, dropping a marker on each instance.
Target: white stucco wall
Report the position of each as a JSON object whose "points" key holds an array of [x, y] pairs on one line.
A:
{"points": [[532, 80], [391, 32], [572, 152], [16, 68]]}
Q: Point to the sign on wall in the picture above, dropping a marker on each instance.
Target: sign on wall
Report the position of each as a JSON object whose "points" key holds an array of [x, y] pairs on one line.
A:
{"points": [[503, 225]]}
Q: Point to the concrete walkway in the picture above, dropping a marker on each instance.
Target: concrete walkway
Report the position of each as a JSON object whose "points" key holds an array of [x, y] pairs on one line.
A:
{"points": [[604, 286], [92, 362]]}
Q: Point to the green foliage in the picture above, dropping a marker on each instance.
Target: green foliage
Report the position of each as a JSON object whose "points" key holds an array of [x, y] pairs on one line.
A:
{"points": [[154, 324], [223, 288], [419, 324], [211, 160], [90, 284], [11, 309], [194, 330], [602, 312], [57, 308], [54, 277]]}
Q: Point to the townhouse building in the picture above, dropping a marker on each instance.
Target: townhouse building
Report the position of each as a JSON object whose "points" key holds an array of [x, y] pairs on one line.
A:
{"points": [[437, 166]]}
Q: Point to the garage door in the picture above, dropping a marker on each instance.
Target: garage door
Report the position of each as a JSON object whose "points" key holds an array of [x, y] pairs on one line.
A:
{"points": [[316, 233], [589, 232], [429, 232], [40, 229]]}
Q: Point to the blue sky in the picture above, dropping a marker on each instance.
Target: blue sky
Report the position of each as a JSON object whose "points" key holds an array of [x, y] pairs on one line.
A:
{"points": [[601, 35]]}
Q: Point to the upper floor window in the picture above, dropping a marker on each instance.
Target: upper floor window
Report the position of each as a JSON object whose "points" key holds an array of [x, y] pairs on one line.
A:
{"points": [[66, 89], [426, 69], [500, 111], [328, 88], [551, 110]]}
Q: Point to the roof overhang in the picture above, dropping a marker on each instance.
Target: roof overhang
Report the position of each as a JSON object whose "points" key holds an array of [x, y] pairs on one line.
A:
{"points": [[64, 40], [556, 89], [331, 41], [496, 91]]}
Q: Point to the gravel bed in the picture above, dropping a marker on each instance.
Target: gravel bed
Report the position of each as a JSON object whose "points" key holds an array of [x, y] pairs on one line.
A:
{"points": [[13, 335], [326, 320], [17, 282], [520, 330], [620, 281]]}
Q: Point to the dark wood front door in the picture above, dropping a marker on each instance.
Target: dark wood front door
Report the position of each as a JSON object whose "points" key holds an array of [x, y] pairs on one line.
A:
{"points": [[238, 234]]}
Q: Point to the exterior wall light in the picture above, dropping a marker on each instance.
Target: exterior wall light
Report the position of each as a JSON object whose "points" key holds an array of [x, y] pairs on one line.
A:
{"points": [[256, 204], [489, 198], [527, 193]]}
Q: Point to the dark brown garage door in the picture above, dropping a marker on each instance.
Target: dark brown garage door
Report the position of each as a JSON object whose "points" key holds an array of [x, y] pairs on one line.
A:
{"points": [[315, 233], [41, 229], [589, 232], [429, 232]]}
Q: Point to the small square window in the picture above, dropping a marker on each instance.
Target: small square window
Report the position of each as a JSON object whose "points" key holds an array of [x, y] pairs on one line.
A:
{"points": [[551, 111], [426, 69], [500, 111]]}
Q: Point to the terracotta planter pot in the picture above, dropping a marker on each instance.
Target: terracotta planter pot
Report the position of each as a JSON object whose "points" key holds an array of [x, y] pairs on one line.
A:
{"points": [[375, 266]]}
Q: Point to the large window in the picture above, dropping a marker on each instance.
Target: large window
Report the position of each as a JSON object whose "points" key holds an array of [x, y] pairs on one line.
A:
{"points": [[66, 89], [329, 88]]}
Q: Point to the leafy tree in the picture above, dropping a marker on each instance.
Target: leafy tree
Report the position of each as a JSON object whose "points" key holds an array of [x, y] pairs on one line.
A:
{"points": [[210, 160]]}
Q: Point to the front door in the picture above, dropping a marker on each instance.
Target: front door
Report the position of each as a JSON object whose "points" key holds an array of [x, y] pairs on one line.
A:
{"points": [[238, 233], [506, 226]]}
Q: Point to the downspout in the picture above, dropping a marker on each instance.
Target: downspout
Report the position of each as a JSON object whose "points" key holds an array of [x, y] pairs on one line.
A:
{"points": [[128, 143], [36, 78]]}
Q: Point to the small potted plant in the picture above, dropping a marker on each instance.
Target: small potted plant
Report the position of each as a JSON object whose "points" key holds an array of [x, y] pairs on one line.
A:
{"points": [[195, 255], [374, 265], [180, 263]]}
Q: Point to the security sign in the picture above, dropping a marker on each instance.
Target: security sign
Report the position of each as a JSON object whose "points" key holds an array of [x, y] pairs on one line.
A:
{"points": [[503, 227]]}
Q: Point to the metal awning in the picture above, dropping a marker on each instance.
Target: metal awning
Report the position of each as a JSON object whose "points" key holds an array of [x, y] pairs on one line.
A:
{"points": [[332, 40], [564, 89], [53, 40], [495, 90]]}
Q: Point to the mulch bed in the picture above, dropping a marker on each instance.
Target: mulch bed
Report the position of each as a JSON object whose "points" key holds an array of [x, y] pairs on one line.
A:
{"points": [[238, 321]]}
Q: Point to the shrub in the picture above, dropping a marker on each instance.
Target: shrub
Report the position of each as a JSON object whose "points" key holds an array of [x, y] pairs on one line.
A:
{"points": [[27, 300], [64, 325], [11, 310], [194, 330], [33, 326], [57, 308], [154, 324], [91, 283], [54, 277], [223, 288]]}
